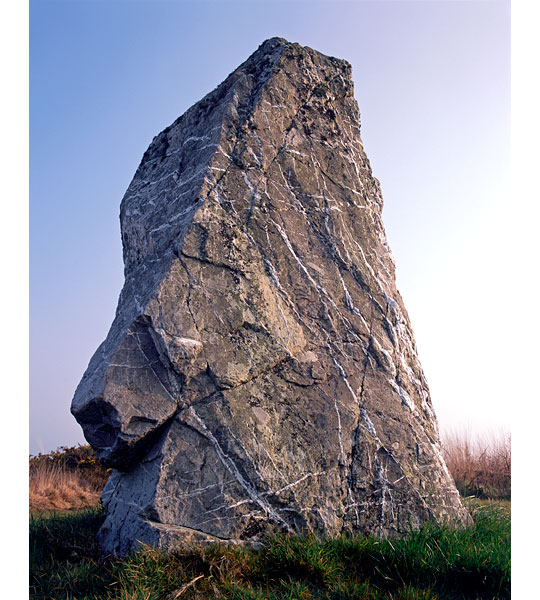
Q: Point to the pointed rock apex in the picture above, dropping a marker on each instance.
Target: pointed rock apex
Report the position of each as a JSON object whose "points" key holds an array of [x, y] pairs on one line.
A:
{"points": [[261, 371]]}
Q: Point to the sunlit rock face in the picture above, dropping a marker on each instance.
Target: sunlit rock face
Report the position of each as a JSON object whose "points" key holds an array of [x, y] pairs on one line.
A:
{"points": [[261, 371]]}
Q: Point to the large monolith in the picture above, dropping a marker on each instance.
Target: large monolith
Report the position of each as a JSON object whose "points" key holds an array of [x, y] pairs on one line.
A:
{"points": [[261, 371]]}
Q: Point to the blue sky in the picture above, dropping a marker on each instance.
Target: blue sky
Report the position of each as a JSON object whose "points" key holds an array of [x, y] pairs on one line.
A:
{"points": [[432, 79]]}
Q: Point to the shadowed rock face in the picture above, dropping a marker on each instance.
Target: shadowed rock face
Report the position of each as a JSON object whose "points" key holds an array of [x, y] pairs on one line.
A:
{"points": [[261, 370]]}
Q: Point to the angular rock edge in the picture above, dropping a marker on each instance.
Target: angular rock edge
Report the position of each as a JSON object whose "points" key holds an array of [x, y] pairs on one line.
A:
{"points": [[261, 372]]}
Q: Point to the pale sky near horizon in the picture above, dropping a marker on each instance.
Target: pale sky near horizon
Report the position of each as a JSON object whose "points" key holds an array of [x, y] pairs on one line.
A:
{"points": [[432, 79]]}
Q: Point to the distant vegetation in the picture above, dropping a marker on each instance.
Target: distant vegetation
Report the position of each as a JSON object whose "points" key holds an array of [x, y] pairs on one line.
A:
{"points": [[481, 467], [65, 479], [72, 477], [435, 563]]}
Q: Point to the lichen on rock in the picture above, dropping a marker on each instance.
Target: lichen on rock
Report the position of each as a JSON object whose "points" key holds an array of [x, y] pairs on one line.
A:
{"points": [[261, 371]]}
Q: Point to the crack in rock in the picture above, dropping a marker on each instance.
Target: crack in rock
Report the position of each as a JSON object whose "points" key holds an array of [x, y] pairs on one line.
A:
{"points": [[261, 372]]}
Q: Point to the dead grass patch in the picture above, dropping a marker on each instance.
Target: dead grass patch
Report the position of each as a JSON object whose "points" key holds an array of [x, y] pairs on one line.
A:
{"points": [[55, 487], [480, 466]]}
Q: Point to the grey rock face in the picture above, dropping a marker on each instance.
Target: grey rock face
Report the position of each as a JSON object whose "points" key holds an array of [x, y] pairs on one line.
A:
{"points": [[261, 370]]}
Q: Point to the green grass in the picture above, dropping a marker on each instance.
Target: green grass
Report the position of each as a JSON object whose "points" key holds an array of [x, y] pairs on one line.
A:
{"points": [[433, 563]]}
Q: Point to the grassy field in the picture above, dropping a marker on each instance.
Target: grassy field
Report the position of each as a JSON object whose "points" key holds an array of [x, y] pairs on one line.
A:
{"points": [[434, 563]]}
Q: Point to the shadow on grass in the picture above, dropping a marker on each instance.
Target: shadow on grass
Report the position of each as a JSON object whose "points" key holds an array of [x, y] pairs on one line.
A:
{"points": [[433, 563]]}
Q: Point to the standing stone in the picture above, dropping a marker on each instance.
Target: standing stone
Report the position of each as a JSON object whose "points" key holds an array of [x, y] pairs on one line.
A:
{"points": [[261, 371]]}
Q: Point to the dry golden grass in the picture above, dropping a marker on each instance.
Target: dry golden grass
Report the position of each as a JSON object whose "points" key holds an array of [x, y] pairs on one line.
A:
{"points": [[72, 478], [55, 487], [481, 466]]}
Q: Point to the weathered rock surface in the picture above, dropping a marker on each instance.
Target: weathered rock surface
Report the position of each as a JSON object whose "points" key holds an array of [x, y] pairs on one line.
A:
{"points": [[261, 370]]}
